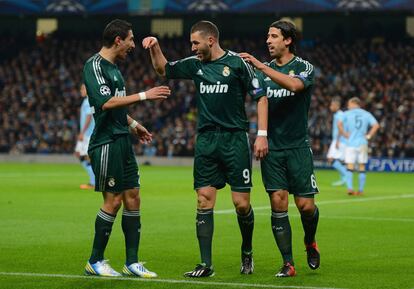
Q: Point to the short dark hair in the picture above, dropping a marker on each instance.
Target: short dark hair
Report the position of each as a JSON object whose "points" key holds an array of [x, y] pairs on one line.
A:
{"points": [[115, 28], [206, 27], [288, 30]]}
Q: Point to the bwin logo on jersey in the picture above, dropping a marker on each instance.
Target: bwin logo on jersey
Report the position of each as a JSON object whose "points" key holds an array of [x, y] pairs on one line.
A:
{"points": [[120, 93], [278, 92], [213, 88]]}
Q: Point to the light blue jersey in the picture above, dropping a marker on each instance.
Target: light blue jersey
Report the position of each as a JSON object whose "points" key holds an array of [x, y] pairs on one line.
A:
{"points": [[84, 112], [338, 116], [357, 122]]}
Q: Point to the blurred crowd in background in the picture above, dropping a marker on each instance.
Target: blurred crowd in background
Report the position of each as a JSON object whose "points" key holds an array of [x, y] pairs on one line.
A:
{"points": [[40, 99]]}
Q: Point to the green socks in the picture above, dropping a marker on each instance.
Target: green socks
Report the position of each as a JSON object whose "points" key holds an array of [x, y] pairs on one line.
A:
{"points": [[131, 226], [205, 228], [310, 223], [246, 224], [282, 234], [103, 228]]}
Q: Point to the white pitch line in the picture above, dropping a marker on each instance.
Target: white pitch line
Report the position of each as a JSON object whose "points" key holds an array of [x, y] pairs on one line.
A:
{"points": [[350, 218], [355, 199], [19, 175], [192, 282]]}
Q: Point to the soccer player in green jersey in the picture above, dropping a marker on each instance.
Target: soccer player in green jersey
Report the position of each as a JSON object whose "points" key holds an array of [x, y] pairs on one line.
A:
{"points": [[110, 149], [288, 168], [222, 152]]}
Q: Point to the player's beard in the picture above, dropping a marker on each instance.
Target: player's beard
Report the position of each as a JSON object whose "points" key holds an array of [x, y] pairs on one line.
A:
{"points": [[205, 53]]}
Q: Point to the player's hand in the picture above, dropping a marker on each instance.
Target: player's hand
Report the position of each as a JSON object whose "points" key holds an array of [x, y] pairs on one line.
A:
{"points": [[252, 60], [149, 42], [144, 136], [337, 144], [346, 134], [80, 137], [158, 92], [261, 147]]}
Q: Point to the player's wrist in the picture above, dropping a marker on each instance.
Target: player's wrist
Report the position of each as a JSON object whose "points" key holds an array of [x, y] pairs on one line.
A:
{"points": [[142, 96], [262, 132], [133, 124], [368, 136]]}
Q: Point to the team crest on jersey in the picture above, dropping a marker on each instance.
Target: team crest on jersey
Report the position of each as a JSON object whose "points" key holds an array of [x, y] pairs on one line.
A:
{"points": [[105, 90], [291, 73], [111, 182], [226, 71]]}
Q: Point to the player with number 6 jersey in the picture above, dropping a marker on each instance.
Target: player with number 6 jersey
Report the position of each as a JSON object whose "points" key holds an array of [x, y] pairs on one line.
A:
{"points": [[288, 168]]}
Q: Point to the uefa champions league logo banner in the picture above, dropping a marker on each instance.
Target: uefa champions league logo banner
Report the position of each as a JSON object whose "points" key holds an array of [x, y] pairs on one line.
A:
{"points": [[53, 7], [267, 6]]}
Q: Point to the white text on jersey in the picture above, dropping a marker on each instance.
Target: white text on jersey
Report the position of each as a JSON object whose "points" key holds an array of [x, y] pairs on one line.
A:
{"points": [[213, 88]]}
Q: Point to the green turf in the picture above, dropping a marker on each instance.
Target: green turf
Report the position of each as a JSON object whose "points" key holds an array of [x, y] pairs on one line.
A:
{"points": [[47, 227]]}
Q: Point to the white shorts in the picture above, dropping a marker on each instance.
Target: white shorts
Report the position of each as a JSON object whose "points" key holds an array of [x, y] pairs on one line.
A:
{"points": [[82, 146], [336, 153], [356, 155]]}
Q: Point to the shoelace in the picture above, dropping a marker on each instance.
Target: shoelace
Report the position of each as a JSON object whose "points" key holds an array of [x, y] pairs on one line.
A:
{"points": [[106, 266], [141, 267], [246, 262]]}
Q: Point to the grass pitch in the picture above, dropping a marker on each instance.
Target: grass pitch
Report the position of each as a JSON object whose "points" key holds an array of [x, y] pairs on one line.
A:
{"points": [[47, 223]]}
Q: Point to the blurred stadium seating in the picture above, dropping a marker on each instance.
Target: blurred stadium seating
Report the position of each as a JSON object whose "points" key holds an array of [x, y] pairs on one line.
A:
{"points": [[39, 81]]}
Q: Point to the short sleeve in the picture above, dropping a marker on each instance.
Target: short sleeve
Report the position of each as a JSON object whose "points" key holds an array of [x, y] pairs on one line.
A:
{"points": [[305, 73], [181, 69], [88, 108], [253, 83], [96, 86], [371, 119]]}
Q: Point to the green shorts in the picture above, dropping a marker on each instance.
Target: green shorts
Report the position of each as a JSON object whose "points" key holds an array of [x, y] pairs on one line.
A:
{"points": [[291, 170], [223, 157], [115, 166]]}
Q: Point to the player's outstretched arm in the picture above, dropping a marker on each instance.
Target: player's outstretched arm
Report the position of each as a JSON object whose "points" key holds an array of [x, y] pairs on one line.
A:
{"points": [[159, 92], [157, 57], [261, 147], [288, 82]]}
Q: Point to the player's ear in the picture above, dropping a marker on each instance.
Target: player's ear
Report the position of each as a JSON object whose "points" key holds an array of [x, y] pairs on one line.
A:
{"points": [[117, 40], [287, 41], [211, 41]]}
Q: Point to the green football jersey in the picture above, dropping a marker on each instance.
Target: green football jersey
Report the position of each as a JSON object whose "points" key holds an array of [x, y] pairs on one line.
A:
{"points": [[103, 80], [288, 111], [221, 87]]}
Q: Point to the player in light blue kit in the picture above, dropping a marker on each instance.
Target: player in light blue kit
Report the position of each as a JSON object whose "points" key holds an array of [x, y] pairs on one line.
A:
{"points": [[354, 126], [336, 152], [86, 126]]}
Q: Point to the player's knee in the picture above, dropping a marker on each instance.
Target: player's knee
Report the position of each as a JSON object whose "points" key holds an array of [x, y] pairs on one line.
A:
{"points": [[306, 206], [242, 206], [112, 207], [279, 200], [204, 201], [132, 202]]}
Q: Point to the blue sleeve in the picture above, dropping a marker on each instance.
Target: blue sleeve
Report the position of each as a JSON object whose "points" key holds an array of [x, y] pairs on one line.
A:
{"points": [[371, 119]]}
